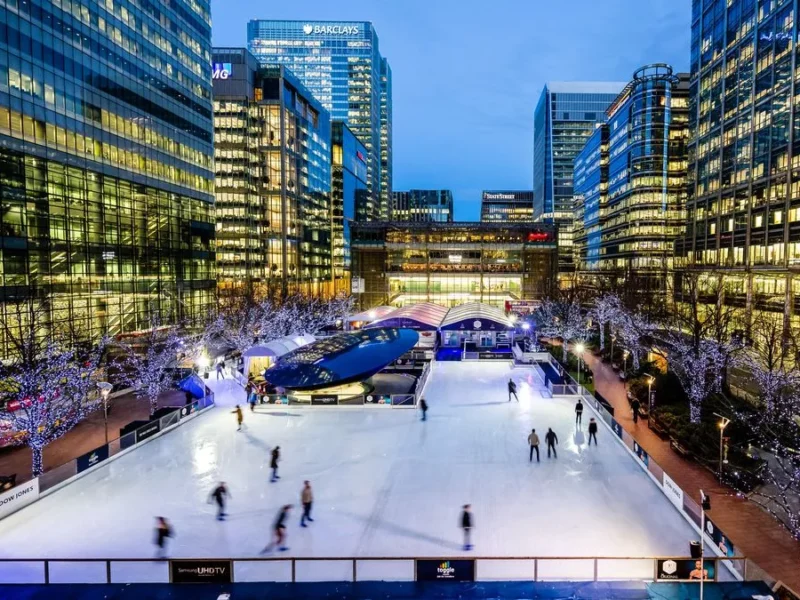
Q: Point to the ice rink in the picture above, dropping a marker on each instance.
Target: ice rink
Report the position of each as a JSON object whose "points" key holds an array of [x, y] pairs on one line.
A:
{"points": [[385, 484]]}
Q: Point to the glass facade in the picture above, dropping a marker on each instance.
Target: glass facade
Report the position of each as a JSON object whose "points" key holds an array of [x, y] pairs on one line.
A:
{"points": [[565, 116], [349, 198], [423, 206], [341, 65], [273, 177], [630, 182], [506, 206], [743, 215], [452, 263], [106, 161]]}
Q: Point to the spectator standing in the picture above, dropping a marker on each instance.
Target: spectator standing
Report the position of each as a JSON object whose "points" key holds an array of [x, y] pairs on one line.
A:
{"points": [[307, 499], [467, 523]]}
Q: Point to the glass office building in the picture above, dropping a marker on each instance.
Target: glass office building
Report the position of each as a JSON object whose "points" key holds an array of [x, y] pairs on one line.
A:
{"points": [[405, 263], [106, 179], [504, 206], [566, 115], [423, 205], [630, 184], [341, 65], [743, 216], [273, 180], [349, 198]]}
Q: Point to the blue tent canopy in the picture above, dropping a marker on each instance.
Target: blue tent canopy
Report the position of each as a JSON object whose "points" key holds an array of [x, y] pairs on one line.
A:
{"points": [[194, 385]]}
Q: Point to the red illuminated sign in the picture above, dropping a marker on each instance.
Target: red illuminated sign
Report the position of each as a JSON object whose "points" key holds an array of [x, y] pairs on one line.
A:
{"points": [[539, 236]]}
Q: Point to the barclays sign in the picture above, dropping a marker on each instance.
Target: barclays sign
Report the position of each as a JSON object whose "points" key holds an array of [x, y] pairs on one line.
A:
{"points": [[309, 29]]}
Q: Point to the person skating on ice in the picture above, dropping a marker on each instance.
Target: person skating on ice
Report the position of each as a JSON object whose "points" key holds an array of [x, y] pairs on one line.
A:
{"points": [[219, 495], [279, 531], [239, 416], [579, 413], [163, 531], [276, 456], [512, 389], [533, 442], [552, 440], [423, 407], [467, 523], [220, 371], [592, 431], [307, 499], [635, 405]]}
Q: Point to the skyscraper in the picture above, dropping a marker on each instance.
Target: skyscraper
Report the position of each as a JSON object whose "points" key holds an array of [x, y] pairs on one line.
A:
{"points": [[630, 184], [273, 180], [341, 65], [743, 216], [565, 116], [506, 206], [106, 162], [423, 206]]}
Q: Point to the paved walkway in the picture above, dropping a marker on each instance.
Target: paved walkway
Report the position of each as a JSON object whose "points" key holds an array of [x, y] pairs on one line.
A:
{"points": [[755, 533], [84, 437]]}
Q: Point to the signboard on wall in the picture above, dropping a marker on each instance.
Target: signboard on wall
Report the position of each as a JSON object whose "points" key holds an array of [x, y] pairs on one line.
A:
{"points": [[19, 497], [357, 285]]}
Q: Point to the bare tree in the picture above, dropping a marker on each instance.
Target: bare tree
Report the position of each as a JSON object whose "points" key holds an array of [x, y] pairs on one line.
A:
{"points": [[49, 386]]}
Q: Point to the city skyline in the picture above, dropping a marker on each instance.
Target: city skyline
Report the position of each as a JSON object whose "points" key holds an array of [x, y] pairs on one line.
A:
{"points": [[486, 73]]}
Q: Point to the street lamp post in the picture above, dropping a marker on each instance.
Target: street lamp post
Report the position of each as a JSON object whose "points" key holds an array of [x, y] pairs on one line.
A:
{"points": [[723, 423], [105, 390], [625, 364], [579, 348], [705, 504], [650, 380], [613, 337]]}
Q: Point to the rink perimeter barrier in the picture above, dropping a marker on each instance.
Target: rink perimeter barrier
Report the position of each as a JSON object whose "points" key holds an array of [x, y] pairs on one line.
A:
{"points": [[360, 569], [56, 478], [680, 499]]}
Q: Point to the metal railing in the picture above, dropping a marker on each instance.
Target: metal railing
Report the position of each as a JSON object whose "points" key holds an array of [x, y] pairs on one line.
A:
{"points": [[351, 569]]}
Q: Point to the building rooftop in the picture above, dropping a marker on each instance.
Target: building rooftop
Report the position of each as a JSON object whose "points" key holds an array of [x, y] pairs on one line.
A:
{"points": [[585, 87]]}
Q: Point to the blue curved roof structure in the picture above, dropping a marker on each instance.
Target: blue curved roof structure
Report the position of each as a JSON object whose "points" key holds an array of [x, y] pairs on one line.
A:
{"points": [[340, 359]]}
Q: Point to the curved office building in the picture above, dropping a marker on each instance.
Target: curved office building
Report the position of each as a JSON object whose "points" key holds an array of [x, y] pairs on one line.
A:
{"points": [[341, 359]]}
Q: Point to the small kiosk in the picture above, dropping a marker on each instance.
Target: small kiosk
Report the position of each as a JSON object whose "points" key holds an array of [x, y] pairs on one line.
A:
{"points": [[476, 327]]}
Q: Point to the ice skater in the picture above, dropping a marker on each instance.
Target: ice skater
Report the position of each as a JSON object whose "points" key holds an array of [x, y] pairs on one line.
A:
{"points": [[163, 531], [467, 523], [533, 442], [239, 416], [592, 431], [276, 456], [512, 389], [423, 407], [220, 371], [552, 441], [219, 495], [307, 498], [635, 406], [279, 531], [579, 414]]}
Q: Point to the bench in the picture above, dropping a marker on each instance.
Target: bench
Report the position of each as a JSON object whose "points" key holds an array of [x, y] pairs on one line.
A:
{"points": [[679, 449]]}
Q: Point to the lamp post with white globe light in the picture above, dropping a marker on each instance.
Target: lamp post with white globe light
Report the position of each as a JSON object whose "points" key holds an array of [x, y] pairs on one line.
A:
{"points": [[579, 348], [105, 390]]}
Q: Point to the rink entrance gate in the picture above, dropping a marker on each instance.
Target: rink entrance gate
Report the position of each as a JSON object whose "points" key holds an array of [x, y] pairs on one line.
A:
{"points": [[351, 569]]}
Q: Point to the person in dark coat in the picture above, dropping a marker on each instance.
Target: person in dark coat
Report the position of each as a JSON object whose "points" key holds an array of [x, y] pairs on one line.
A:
{"points": [[635, 406], [592, 431], [276, 456], [163, 531], [219, 495], [552, 440], [279, 531], [512, 389], [423, 407], [467, 523], [579, 413]]}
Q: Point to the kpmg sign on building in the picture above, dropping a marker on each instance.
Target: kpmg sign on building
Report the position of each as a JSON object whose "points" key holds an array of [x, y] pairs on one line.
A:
{"points": [[221, 71]]}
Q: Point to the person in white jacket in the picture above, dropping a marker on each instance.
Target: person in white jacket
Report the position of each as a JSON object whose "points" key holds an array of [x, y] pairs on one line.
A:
{"points": [[533, 442]]}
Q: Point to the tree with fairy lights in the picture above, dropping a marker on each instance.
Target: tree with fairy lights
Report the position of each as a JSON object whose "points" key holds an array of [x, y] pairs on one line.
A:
{"points": [[147, 363], [49, 385], [560, 319], [607, 309]]}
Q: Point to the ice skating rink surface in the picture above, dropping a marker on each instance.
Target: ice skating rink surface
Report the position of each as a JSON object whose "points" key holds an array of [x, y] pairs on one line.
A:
{"points": [[385, 484]]}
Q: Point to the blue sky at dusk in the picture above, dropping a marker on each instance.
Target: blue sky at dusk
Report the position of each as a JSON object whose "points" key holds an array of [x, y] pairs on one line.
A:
{"points": [[468, 74]]}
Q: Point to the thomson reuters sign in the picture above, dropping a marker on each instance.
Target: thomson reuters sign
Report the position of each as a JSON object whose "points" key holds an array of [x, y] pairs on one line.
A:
{"points": [[344, 30]]}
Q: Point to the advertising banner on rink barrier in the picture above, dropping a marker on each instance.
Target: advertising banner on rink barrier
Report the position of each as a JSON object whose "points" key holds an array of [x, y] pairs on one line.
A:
{"points": [[673, 491], [19, 497], [378, 399], [641, 453], [685, 569], [324, 399], [445, 570], [90, 459], [719, 539], [201, 571], [616, 427]]}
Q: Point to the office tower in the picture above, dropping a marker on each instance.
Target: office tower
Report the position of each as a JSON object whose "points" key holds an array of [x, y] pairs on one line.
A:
{"points": [[423, 206], [743, 214], [349, 198], [630, 185], [106, 162], [452, 263], [273, 180], [340, 63], [503, 206], [566, 114]]}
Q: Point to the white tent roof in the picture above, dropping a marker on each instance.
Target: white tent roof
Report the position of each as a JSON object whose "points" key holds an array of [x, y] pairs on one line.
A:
{"points": [[280, 346], [371, 315]]}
